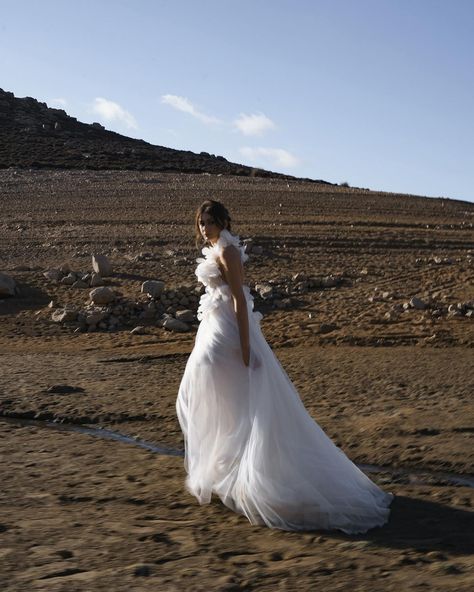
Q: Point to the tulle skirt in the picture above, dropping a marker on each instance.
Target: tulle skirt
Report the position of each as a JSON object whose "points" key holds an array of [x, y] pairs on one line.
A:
{"points": [[250, 440]]}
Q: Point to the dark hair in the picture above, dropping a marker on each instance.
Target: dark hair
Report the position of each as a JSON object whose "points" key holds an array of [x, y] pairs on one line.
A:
{"points": [[215, 209]]}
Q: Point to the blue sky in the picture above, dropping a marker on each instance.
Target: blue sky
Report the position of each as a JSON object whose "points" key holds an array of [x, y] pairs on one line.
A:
{"points": [[378, 93]]}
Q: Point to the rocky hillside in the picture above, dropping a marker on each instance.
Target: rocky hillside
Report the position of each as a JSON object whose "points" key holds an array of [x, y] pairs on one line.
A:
{"points": [[33, 135]]}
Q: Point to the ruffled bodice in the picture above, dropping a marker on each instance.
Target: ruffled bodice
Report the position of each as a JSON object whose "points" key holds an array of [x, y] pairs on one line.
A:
{"points": [[208, 273]]}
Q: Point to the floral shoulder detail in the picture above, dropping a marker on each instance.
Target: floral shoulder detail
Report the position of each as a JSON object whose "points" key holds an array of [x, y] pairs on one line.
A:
{"points": [[207, 270]]}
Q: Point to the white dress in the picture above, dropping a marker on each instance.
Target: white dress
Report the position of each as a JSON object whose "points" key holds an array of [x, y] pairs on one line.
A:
{"points": [[248, 437]]}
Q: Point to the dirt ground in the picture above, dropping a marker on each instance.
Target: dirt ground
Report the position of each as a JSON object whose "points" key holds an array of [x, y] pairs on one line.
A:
{"points": [[82, 513]]}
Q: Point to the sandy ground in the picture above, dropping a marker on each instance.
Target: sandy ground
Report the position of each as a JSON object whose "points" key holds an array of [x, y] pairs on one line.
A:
{"points": [[83, 513]]}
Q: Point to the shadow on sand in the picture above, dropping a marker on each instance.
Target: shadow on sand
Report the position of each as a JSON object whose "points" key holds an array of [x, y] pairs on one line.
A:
{"points": [[29, 298]]}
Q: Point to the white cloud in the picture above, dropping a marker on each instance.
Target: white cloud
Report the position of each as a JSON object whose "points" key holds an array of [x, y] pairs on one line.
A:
{"points": [[58, 103], [185, 105], [253, 125], [273, 156], [111, 111]]}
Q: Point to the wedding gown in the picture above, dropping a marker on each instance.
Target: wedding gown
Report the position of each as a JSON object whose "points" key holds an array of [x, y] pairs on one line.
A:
{"points": [[248, 437]]}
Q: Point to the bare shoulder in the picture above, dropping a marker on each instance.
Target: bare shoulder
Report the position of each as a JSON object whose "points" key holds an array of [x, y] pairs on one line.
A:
{"points": [[230, 255]]}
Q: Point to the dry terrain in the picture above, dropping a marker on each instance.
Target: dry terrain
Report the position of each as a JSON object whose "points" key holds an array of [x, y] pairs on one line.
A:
{"points": [[391, 384]]}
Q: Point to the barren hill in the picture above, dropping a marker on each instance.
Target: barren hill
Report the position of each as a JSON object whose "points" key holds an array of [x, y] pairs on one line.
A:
{"points": [[33, 135]]}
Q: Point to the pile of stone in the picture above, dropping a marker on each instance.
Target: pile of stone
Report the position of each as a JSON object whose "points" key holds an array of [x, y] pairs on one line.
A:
{"points": [[101, 267], [174, 310], [278, 293], [433, 308], [436, 259]]}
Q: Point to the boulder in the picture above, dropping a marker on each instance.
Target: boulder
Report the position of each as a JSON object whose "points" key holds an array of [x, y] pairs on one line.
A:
{"points": [[7, 286], [175, 325], [186, 316], [102, 295], [101, 265], [153, 288]]}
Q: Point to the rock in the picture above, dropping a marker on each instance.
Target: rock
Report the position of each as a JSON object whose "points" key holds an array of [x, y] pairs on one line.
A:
{"points": [[7, 285], [102, 295], [175, 325], [186, 316], [140, 330], [96, 280], [95, 317], [329, 282], [247, 244], [417, 303], [69, 279], [54, 275], [80, 284], [153, 288], [101, 265], [264, 290], [64, 315], [148, 314]]}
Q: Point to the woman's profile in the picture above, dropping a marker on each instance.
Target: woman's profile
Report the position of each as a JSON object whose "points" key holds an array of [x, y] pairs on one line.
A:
{"points": [[248, 437]]}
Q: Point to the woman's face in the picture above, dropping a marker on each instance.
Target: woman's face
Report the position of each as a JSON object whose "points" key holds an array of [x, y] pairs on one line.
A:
{"points": [[209, 229]]}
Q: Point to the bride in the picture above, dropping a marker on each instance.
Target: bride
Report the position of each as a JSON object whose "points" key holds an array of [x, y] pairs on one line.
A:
{"points": [[248, 437]]}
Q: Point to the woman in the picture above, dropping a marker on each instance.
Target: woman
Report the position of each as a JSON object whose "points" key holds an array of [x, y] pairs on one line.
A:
{"points": [[248, 437]]}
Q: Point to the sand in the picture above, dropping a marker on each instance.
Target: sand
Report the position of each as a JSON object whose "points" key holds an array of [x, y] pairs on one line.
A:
{"points": [[79, 512]]}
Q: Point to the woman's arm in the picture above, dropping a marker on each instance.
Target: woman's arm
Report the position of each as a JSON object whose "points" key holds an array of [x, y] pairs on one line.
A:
{"points": [[232, 266]]}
